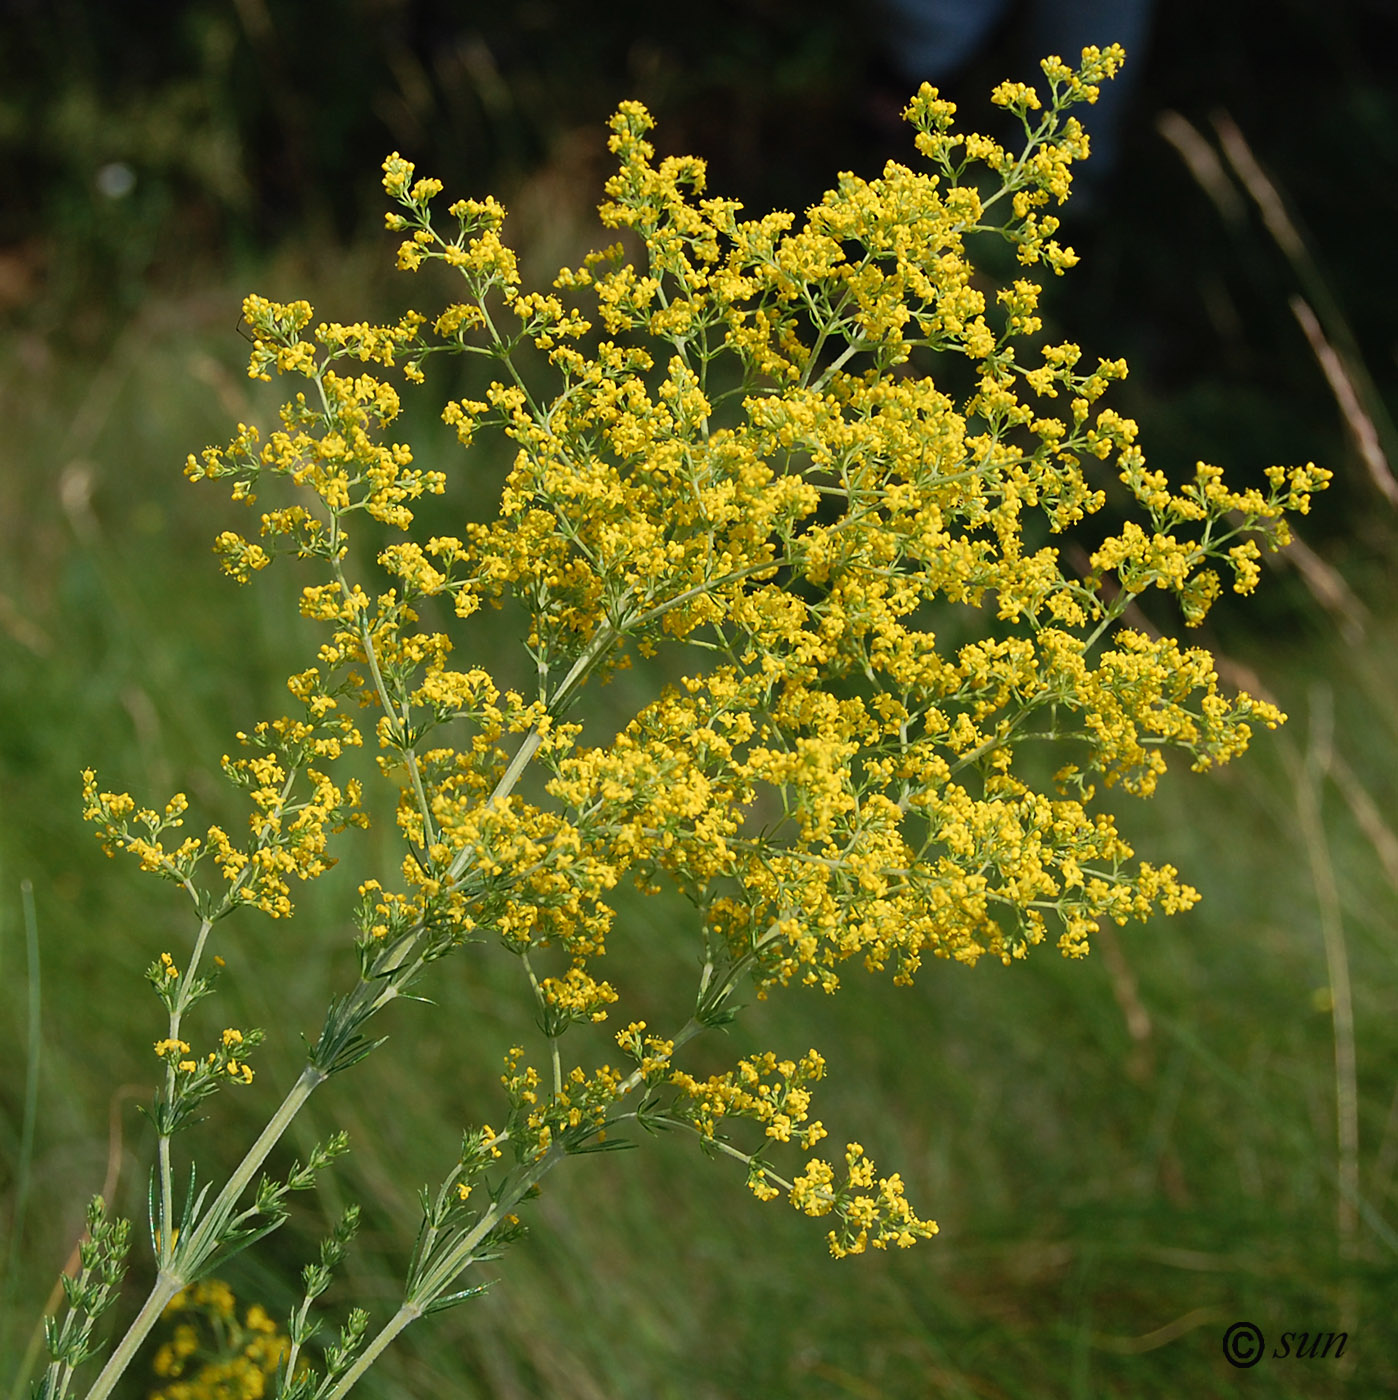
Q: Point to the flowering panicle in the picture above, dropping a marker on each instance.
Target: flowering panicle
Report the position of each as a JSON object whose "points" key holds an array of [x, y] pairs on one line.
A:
{"points": [[754, 457]]}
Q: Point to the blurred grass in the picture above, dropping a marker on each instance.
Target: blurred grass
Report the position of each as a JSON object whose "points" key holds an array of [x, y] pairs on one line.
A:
{"points": [[1125, 1155]]}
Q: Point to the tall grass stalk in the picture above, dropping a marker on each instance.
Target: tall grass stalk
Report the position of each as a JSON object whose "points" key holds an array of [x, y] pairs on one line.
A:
{"points": [[33, 1053], [1310, 778]]}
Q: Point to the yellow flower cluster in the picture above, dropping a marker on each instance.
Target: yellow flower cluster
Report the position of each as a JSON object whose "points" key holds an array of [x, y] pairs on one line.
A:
{"points": [[296, 808], [869, 1214], [198, 1078], [769, 1091], [652, 1053], [214, 1353], [579, 1107], [117, 818], [331, 450]]}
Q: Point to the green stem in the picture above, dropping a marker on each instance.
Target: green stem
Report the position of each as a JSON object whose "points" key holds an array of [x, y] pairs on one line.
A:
{"points": [[541, 1002], [165, 1242], [850, 350], [309, 1080], [409, 751], [402, 1318], [748, 1159], [766, 566], [166, 1286], [461, 1255], [206, 1236], [458, 1258]]}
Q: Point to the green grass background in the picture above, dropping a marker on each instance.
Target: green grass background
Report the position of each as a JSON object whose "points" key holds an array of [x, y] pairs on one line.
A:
{"points": [[1125, 1154]]}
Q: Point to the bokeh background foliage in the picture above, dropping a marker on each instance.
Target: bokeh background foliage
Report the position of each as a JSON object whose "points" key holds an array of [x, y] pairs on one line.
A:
{"points": [[1125, 1155]]}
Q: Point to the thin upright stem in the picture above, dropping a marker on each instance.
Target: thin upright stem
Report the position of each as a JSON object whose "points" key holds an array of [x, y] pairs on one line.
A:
{"points": [[167, 1192], [406, 1315], [194, 1250], [440, 1275], [166, 1286], [542, 1003]]}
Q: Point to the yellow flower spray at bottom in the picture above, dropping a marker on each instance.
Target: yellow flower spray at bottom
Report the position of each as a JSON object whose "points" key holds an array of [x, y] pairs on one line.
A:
{"points": [[212, 1352]]}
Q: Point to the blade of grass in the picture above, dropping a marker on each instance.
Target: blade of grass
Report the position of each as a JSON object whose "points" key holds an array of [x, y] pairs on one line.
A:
{"points": [[31, 1073], [1287, 236], [1327, 586], [1246, 1092], [1387, 1155], [1161, 1336], [33, 1037], [1203, 163], [1310, 780], [1361, 426], [1140, 1062], [1368, 817]]}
